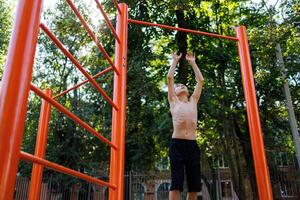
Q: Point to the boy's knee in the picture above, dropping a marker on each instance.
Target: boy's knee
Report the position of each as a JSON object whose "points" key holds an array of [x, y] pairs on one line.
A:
{"points": [[192, 196], [174, 195]]}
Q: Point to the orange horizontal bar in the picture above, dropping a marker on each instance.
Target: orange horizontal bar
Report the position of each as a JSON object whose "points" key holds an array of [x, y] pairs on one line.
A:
{"points": [[112, 29], [182, 29], [77, 64], [92, 35], [118, 7], [71, 115], [65, 170], [83, 82]]}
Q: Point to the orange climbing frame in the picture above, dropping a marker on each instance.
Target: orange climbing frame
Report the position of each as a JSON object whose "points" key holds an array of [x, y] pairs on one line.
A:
{"points": [[14, 97], [16, 86]]}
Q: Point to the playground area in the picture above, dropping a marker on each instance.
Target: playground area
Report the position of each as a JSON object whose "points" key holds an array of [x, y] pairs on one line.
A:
{"points": [[89, 116]]}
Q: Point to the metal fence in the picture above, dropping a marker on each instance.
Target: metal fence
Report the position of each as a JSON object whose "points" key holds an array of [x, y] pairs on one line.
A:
{"points": [[155, 186], [51, 190]]}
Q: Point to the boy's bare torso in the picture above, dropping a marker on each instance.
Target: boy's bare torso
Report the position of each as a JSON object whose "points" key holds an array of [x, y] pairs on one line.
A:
{"points": [[184, 115]]}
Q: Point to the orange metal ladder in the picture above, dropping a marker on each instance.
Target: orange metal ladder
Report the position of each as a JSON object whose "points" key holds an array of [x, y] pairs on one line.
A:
{"points": [[14, 97]]}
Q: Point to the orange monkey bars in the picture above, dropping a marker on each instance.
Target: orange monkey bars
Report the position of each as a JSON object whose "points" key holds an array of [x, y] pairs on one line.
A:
{"points": [[257, 144], [16, 86]]}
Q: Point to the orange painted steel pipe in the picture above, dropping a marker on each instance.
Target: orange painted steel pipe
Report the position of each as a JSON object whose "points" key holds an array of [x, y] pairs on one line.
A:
{"points": [[83, 82], [117, 158], [71, 115], [40, 149], [77, 64], [257, 144], [15, 89], [111, 27], [91, 34], [117, 6], [182, 29], [65, 170]]}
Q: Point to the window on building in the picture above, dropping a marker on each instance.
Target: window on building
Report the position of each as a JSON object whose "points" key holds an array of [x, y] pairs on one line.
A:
{"points": [[221, 161], [163, 191]]}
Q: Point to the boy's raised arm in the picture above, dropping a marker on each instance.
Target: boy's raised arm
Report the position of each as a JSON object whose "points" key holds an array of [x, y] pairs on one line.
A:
{"points": [[170, 77], [198, 76]]}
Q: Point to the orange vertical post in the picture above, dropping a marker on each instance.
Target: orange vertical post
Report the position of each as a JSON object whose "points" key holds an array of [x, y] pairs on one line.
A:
{"points": [[257, 144], [15, 90], [117, 156], [40, 149]]}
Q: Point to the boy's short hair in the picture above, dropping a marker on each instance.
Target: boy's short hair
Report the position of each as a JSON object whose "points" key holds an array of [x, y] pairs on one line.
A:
{"points": [[176, 85]]}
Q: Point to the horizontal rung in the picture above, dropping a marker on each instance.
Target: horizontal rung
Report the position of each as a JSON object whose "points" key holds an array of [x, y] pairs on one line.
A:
{"points": [[65, 170], [182, 29], [77, 64], [83, 82], [92, 35], [71, 115]]}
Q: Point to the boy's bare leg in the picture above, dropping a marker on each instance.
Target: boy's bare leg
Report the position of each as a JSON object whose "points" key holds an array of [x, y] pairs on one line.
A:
{"points": [[174, 195], [191, 196]]}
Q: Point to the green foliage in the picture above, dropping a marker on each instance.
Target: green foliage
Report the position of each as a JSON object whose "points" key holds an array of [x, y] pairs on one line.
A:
{"points": [[5, 27]]}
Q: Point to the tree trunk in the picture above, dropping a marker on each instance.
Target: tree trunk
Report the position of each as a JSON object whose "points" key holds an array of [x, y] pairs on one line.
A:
{"points": [[181, 40]]}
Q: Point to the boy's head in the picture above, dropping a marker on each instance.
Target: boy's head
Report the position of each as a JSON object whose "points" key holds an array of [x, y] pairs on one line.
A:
{"points": [[181, 89]]}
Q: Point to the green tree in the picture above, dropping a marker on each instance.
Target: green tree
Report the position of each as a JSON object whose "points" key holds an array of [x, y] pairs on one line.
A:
{"points": [[5, 27]]}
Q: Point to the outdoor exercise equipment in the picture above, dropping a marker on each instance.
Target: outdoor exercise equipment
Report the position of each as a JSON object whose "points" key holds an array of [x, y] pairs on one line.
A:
{"points": [[16, 85]]}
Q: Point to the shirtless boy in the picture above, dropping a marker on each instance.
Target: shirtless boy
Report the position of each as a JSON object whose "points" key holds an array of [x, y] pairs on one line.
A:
{"points": [[184, 152]]}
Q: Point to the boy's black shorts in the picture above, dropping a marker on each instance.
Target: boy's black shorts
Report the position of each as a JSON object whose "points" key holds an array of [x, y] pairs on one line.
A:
{"points": [[185, 157]]}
